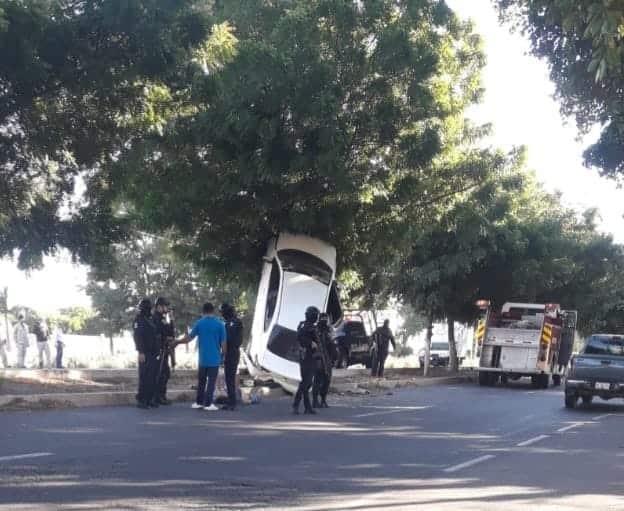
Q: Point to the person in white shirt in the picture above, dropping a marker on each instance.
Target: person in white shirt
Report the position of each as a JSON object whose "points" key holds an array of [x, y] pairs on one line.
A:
{"points": [[22, 342]]}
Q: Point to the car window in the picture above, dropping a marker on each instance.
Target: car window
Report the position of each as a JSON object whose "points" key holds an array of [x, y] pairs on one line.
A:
{"points": [[272, 295], [296, 261], [605, 345], [439, 346]]}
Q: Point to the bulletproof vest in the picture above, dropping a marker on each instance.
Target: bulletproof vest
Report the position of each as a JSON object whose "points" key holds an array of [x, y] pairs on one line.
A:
{"points": [[307, 334]]}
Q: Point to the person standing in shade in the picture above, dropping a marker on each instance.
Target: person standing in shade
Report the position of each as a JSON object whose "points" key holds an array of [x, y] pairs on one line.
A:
{"points": [[147, 347], [308, 338], [323, 376], [59, 344], [383, 337], [212, 341], [164, 333], [22, 341], [234, 333]]}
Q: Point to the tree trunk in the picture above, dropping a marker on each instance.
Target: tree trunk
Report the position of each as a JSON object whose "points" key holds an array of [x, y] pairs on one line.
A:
{"points": [[111, 344], [428, 345], [453, 362]]}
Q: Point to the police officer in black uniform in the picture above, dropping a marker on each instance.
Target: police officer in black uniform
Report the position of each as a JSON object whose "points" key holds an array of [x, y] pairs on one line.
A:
{"points": [[383, 337], [308, 338], [323, 375], [165, 336], [234, 332], [147, 346]]}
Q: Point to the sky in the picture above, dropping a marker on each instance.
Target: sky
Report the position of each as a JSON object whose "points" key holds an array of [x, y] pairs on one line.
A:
{"points": [[518, 102]]}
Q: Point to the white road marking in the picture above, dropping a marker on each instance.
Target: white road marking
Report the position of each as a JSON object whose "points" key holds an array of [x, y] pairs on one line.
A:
{"points": [[571, 426], [532, 441], [470, 463], [26, 456], [600, 417], [372, 414]]}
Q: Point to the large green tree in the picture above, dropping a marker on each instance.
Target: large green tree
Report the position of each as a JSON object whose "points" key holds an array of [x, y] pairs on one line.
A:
{"points": [[322, 118], [77, 81], [583, 42]]}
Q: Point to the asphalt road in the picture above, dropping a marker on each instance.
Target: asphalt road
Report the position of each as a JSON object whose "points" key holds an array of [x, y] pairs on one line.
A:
{"points": [[441, 447]]}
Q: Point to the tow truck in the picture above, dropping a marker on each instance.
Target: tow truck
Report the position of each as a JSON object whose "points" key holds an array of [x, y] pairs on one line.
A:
{"points": [[524, 340]]}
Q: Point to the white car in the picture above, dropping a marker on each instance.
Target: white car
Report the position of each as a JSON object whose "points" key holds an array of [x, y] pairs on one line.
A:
{"points": [[438, 354], [298, 272]]}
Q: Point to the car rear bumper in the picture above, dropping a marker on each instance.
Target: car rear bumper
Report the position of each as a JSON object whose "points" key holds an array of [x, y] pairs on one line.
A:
{"points": [[588, 388]]}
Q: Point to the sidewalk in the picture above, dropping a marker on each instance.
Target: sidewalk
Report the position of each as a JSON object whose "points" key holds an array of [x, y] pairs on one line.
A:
{"points": [[30, 389]]}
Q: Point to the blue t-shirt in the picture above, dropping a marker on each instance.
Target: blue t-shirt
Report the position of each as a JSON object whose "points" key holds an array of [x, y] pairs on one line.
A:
{"points": [[211, 334]]}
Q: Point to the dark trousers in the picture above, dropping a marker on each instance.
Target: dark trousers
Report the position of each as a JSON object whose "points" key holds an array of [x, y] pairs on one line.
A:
{"points": [[322, 380], [231, 367], [163, 376], [59, 358], [308, 368], [380, 363], [148, 372], [206, 383]]}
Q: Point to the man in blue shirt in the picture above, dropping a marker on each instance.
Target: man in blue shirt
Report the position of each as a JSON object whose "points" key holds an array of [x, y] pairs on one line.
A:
{"points": [[211, 335]]}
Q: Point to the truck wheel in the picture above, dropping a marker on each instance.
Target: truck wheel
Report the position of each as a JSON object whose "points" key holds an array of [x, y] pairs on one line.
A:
{"points": [[534, 382], [570, 400], [556, 380], [494, 377], [484, 378], [587, 400], [544, 381], [504, 379]]}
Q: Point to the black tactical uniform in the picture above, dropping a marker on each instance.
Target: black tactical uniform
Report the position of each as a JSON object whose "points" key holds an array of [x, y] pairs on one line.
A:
{"points": [[383, 337], [164, 335], [323, 375], [308, 338], [146, 342], [234, 332]]}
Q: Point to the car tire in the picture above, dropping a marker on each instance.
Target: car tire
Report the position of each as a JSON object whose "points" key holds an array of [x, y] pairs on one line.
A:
{"points": [[570, 400], [587, 400], [556, 380]]}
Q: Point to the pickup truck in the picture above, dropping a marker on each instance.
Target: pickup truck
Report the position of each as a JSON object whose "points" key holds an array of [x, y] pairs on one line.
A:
{"points": [[597, 371]]}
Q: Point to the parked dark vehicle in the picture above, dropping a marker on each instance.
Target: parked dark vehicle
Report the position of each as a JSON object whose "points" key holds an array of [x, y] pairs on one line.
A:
{"points": [[353, 343], [597, 371]]}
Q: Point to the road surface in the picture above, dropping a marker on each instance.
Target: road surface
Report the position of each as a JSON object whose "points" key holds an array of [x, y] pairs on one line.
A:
{"points": [[439, 448]]}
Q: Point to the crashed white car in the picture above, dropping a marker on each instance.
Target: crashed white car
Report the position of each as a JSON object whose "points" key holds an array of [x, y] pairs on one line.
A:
{"points": [[298, 271]]}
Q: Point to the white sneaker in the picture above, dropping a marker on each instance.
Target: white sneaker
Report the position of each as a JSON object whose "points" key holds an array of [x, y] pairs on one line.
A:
{"points": [[211, 408], [196, 406]]}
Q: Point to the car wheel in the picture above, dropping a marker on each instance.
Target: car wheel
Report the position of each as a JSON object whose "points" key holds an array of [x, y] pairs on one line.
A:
{"points": [[587, 400], [556, 380], [570, 400]]}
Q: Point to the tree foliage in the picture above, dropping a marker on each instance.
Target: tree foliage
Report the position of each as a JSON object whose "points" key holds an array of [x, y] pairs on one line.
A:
{"points": [[321, 115], [583, 43], [76, 82]]}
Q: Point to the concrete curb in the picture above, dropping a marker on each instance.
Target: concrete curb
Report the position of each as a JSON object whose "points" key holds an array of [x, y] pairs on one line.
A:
{"points": [[90, 399]]}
